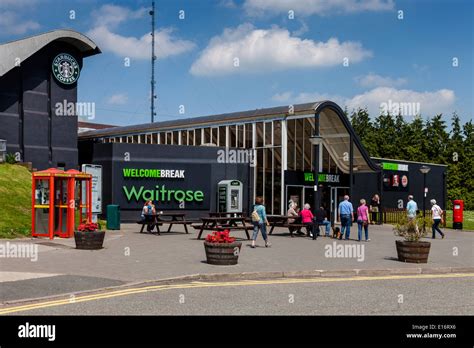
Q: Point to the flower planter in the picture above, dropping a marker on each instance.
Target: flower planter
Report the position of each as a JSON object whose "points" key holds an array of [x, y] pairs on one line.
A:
{"points": [[89, 240], [222, 253], [413, 252]]}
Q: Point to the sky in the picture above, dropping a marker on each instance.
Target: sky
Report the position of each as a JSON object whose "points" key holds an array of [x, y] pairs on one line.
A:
{"points": [[234, 55]]}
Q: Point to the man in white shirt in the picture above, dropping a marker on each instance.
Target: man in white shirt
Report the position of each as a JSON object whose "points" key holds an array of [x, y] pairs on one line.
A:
{"points": [[436, 213]]}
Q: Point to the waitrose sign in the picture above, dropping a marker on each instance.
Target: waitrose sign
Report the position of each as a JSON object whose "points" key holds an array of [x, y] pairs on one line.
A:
{"points": [[168, 188]]}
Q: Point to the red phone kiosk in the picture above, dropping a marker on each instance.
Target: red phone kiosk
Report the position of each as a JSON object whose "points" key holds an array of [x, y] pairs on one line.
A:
{"points": [[458, 209], [59, 200]]}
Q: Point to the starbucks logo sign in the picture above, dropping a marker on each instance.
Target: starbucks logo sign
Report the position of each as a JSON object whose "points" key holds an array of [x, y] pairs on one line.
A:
{"points": [[66, 69]]}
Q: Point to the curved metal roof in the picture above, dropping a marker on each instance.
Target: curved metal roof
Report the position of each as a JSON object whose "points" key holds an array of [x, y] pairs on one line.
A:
{"points": [[335, 128], [25, 48], [202, 121]]}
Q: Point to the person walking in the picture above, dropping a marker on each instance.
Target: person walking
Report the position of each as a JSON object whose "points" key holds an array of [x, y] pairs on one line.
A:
{"points": [[437, 215], [363, 220], [412, 208], [375, 209], [259, 221], [321, 219], [346, 216], [307, 220]]}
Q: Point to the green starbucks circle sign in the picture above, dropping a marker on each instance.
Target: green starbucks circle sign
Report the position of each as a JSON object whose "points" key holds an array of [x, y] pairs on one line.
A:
{"points": [[65, 69]]}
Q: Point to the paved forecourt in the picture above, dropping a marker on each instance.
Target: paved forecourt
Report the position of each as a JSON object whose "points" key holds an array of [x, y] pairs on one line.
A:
{"points": [[129, 256]]}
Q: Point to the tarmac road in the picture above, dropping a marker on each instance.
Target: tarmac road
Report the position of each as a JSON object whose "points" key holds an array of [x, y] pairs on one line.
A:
{"points": [[442, 294]]}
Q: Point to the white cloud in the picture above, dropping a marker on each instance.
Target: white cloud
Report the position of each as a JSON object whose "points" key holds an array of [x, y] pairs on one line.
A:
{"points": [[11, 23], [274, 49], [302, 30], [310, 7], [374, 80], [282, 97], [109, 17], [227, 4], [430, 103], [17, 3], [117, 99], [112, 15], [140, 48]]}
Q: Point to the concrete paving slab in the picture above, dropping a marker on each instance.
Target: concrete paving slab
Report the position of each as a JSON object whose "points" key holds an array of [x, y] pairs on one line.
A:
{"points": [[129, 256]]}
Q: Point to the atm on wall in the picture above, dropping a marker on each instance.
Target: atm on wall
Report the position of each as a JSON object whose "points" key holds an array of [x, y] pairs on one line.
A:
{"points": [[229, 196]]}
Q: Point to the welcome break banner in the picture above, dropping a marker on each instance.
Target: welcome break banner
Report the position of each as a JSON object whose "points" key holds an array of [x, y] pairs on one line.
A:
{"points": [[170, 186]]}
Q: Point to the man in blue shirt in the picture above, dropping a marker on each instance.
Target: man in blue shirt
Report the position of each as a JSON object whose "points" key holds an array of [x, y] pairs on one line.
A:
{"points": [[412, 207], [346, 216]]}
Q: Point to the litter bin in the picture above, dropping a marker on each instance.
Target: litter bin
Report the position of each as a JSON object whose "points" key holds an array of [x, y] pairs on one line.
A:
{"points": [[113, 217], [458, 209]]}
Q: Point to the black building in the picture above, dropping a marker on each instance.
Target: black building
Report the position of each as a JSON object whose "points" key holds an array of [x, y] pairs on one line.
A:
{"points": [[38, 96], [190, 171], [284, 156]]}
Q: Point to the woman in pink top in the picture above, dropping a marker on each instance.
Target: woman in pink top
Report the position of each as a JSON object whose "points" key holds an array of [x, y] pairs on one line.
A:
{"points": [[363, 220], [307, 219]]}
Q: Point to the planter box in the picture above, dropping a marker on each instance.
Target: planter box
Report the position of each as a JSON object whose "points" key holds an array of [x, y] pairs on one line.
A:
{"points": [[89, 240], [222, 253], [413, 252]]}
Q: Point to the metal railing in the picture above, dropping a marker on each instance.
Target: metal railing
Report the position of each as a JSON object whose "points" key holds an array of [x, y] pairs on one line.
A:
{"points": [[395, 215]]}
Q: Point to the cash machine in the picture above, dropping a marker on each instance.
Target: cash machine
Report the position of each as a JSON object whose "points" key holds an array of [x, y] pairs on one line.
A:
{"points": [[229, 196]]}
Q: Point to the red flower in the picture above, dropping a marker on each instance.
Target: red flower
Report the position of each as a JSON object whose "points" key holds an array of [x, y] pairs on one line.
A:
{"points": [[88, 227], [220, 237]]}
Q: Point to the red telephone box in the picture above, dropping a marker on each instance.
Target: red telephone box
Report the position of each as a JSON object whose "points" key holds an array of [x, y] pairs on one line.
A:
{"points": [[458, 209], [59, 200]]}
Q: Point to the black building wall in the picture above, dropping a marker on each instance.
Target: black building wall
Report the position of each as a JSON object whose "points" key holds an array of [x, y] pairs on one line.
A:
{"points": [[112, 158], [28, 121], [366, 185]]}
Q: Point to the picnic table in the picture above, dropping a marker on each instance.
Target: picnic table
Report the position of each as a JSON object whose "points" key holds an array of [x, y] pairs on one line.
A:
{"points": [[157, 221], [223, 223], [175, 219], [223, 214]]}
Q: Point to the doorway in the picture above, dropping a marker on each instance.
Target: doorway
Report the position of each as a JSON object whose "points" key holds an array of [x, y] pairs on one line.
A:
{"points": [[300, 195], [337, 196]]}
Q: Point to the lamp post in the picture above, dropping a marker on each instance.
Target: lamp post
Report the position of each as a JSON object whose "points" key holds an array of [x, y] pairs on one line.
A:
{"points": [[316, 140], [424, 170]]}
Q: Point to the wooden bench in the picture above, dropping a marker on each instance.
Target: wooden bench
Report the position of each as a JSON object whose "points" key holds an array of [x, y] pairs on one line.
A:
{"points": [[292, 227]]}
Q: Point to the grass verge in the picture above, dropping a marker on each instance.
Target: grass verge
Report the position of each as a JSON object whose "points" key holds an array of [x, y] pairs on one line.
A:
{"points": [[15, 201]]}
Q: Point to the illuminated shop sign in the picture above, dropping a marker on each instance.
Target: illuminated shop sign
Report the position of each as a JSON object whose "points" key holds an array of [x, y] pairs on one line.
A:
{"points": [[395, 166], [308, 178], [153, 173], [169, 186], [329, 178], [322, 178]]}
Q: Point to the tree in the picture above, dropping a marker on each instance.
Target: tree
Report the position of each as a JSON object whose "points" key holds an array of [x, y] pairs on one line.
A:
{"points": [[467, 166], [454, 160], [364, 128], [424, 141]]}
